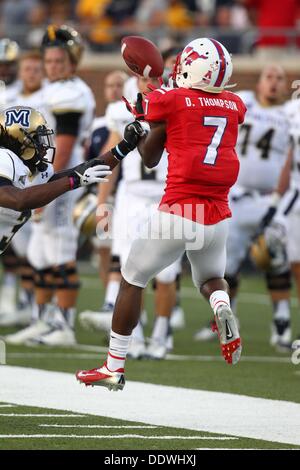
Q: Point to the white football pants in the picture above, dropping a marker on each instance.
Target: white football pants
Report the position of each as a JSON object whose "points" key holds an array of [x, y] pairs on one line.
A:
{"points": [[164, 239]]}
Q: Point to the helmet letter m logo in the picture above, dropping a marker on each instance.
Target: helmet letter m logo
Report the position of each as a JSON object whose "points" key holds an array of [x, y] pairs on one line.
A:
{"points": [[17, 116]]}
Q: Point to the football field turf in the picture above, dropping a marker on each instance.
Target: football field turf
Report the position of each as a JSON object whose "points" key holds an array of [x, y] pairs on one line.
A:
{"points": [[166, 404]]}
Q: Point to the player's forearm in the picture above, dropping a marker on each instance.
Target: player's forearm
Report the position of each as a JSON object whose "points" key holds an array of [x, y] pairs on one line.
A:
{"points": [[107, 159], [150, 154], [151, 146], [33, 197]]}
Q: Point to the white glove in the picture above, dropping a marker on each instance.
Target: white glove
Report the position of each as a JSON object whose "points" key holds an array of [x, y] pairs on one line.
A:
{"points": [[94, 174]]}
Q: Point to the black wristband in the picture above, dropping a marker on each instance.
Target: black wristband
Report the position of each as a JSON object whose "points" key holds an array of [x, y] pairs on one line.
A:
{"points": [[121, 150]]}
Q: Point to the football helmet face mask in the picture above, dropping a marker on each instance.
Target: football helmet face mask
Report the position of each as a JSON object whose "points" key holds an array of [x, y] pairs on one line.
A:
{"points": [[66, 37], [9, 56], [30, 129], [204, 64]]}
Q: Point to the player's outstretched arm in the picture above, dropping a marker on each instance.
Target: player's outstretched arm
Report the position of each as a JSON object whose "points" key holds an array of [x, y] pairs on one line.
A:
{"points": [[152, 146], [91, 172], [40, 195], [132, 135]]}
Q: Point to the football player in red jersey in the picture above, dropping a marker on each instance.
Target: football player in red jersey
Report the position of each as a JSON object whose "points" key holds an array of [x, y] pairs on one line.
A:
{"points": [[197, 123]]}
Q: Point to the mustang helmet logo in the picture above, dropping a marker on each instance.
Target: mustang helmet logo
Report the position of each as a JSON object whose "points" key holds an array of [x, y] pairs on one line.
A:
{"points": [[192, 55]]}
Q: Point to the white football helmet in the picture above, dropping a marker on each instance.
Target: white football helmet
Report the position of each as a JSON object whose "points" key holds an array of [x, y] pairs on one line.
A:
{"points": [[204, 64]]}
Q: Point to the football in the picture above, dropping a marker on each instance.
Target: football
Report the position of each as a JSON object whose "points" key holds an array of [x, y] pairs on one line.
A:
{"points": [[142, 56]]}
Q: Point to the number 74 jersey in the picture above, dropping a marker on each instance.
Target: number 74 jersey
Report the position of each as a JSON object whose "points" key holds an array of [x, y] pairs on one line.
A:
{"points": [[201, 131], [262, 144]]}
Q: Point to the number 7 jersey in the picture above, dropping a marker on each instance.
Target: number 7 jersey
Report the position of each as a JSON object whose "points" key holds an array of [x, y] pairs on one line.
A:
{"points": [[201, 131]]}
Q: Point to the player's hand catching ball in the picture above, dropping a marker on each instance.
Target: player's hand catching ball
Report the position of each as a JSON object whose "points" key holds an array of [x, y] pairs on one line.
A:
{"points": [[132, 135]]}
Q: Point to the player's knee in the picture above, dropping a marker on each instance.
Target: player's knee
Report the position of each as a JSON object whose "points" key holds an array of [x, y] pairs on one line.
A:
{"points": [[115, 264], [280, 282], [43, 278], [134, 276], [66, 277]]}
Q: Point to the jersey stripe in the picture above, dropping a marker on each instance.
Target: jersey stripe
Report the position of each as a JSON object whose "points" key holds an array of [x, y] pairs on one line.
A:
{"points": [[222, 67]]}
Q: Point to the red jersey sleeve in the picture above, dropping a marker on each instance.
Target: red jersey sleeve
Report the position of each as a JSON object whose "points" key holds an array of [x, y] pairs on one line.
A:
{"points": [[158, 105], [242, 109]]}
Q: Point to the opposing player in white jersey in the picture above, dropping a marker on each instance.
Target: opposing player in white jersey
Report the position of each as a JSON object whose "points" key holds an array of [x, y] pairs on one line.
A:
{"points": [[287, 193], [113, 91], [139, 190], [261, 147], [69, 107], [31, 76], [9, 86], [26, 164]]}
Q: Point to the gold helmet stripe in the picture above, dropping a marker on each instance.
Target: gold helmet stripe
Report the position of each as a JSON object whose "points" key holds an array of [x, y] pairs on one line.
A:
{"points": [[51, 32]]}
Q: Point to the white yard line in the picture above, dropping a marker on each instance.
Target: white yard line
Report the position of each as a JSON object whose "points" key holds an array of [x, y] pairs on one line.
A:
{"points": [[95, 426], [117, 436], [199, 410]]}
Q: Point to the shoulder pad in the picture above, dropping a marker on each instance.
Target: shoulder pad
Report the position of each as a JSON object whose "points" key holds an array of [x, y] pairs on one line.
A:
{"points": [[65, 96]]}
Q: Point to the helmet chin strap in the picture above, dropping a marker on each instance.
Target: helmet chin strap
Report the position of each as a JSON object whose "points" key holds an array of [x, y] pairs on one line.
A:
{"points": [[35, 165]]}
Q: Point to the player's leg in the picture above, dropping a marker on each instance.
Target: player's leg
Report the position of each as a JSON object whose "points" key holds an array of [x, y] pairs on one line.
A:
{"points": [[147, 257], [208, 267], [41, 319], [25, 272], [65, 286], [279, 281], [236, 247], [279, 286], [61, 241]]}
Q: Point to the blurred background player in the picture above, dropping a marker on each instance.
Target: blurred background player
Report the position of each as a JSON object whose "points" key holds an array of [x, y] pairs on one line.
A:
{"points": [[286, 200], [262, 147], [113, 91], [69, 108], [9, 59], [138, 191]]}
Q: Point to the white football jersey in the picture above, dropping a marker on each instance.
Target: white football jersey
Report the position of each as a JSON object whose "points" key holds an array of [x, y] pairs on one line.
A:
{"points": [[139, 179], [12, 168], [72, 95], [34, 100], [262, 144], [293, 114]]}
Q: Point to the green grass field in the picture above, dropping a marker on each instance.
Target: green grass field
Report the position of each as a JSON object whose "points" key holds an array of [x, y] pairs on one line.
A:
{"points": [[263, 372]]}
